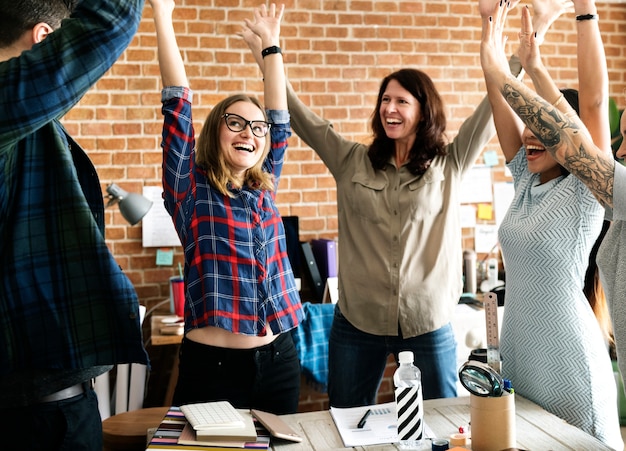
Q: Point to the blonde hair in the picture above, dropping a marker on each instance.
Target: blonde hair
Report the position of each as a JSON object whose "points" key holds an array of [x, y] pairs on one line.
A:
{"points": [[210, 157]]}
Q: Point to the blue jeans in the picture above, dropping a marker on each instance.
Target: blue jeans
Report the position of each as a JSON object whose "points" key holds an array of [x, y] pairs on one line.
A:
{"points": [[357, 360], [73, 424]]}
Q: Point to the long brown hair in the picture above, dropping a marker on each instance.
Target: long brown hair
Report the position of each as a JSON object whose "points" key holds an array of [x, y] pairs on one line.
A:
{"points": [[430, 140], [210, 157]]}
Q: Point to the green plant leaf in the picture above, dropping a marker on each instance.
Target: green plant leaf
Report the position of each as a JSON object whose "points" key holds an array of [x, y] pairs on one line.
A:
{"points": [[614, 117]]}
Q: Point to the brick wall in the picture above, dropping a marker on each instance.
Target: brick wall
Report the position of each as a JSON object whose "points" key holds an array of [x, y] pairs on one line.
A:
{"points": [[336, 52]]}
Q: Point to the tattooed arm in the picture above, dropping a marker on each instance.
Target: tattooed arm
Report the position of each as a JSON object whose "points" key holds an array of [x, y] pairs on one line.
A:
{"points": [[593, 78], [560, 130], [508, 126]]}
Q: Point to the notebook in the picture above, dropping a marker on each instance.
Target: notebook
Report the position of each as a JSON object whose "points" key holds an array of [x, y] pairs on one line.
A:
{"points": [[219, 420], [214, 414], [175, 434]]}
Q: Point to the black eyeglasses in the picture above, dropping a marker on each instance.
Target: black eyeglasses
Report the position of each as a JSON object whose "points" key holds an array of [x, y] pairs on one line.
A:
{"points": [[236, 123]]}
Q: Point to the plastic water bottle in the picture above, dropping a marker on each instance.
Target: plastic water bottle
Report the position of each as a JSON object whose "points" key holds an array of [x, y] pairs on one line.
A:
{"points": [[409, 402]]}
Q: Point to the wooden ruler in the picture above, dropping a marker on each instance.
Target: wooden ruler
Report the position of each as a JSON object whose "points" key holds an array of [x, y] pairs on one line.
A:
{"points": [[490, 302]]}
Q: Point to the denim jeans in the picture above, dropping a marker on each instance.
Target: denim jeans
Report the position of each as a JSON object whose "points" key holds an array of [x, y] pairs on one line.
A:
{"points": [[73, 424], [357, 360], [265, 378]]}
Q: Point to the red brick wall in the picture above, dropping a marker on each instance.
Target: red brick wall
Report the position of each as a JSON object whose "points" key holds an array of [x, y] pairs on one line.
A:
{"points": [[336, 52]]}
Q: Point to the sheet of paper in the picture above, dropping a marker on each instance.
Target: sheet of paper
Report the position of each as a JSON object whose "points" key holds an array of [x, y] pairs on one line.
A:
{"points": [[503, 193], [485, 238], [476, 186], [381, 426], [331, 291], [157, 228], [468, 216]]}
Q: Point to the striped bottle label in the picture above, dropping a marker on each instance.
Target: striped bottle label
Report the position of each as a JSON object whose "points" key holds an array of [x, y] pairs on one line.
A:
{"points": [[409, 404]]}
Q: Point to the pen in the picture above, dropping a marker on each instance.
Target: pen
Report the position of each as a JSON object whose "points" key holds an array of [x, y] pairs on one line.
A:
{"points": [[363, 419]]}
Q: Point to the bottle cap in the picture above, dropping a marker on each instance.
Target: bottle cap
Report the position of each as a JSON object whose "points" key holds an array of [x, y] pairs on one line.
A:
{"points": [[405, 357], [440, 445]]}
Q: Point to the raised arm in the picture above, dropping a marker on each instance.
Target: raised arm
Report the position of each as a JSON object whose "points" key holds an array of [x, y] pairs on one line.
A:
{"points": [[593, 78], [170, 60], [262, 34], [508, 126], [592, 71], [559, 129]]}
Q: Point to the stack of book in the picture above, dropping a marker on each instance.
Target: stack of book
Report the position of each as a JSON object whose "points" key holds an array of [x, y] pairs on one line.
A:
{"points": [[209, 426]]}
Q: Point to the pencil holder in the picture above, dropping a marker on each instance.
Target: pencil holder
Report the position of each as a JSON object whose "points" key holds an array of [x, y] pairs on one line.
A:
{"points": [[493, 422]]}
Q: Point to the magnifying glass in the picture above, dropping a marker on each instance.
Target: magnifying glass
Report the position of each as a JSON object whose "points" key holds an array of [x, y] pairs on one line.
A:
{"points": [[480, 379]]}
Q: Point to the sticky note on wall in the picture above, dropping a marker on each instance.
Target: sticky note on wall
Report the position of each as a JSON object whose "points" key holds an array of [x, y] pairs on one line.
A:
{"points": [[485, 211], [490, 157]]}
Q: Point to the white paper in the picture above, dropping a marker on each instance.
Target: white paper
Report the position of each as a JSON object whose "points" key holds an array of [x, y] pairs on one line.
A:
{"points": [[468, 216], [157, 226], [503, 193], [476, 186], [381, 426], [485, 238], [331, 290]]}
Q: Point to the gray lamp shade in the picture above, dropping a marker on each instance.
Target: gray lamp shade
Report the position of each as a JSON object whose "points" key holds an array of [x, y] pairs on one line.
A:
{"points": [[132, 206]]}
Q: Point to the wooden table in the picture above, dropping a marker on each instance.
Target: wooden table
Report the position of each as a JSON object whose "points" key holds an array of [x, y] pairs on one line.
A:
{"points": [[128, 431], [159, 339], [156, 337], [536, 429]]}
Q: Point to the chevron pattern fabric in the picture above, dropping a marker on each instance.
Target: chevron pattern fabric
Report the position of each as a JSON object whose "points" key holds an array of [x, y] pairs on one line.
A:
{"points": [[551, 345]]}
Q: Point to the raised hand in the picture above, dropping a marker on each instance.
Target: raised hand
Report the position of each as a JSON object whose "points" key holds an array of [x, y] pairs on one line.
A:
{"points": [[545, 12], [492, 46], [266, 24], [162, 6], [529, 54], [486, 7], [251, 39], [551, 9]]}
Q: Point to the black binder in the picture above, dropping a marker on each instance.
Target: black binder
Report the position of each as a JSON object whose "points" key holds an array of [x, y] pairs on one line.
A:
{"points": [[313, 271]]}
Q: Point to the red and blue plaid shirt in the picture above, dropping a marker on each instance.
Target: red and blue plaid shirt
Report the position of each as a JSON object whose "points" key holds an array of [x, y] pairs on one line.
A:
{"points": [[237, 272]]}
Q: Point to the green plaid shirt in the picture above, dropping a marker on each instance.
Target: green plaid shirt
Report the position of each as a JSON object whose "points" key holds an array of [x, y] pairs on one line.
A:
{"points": [[64, 301]]}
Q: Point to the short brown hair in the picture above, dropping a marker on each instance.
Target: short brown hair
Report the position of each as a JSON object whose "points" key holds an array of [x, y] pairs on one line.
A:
{"points": [[19, 16]]}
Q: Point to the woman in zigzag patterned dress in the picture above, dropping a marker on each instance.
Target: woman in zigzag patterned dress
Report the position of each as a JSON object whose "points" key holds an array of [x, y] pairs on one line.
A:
{"points": [[553, 349]]}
